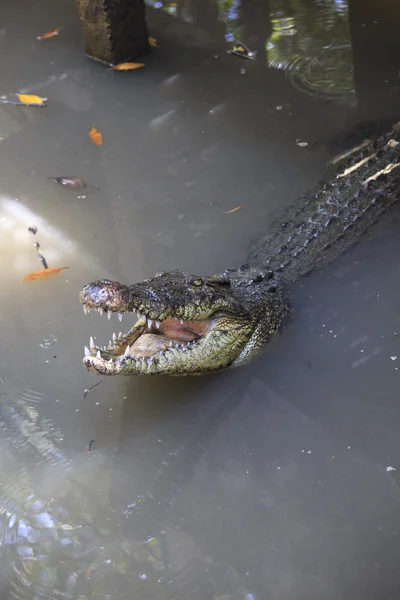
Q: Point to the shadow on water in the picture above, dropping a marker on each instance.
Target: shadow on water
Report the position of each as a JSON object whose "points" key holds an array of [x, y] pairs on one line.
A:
{"points": [[275, 480]]}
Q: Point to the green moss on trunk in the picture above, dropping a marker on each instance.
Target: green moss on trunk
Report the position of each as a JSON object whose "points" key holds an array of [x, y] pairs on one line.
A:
{"points": [[114, 30]]}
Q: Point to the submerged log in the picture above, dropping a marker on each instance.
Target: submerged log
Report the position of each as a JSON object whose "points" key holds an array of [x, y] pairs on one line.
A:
{"points": [[114, 31]]}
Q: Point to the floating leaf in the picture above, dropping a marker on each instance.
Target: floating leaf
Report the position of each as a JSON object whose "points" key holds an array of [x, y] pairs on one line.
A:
{"points": [[30, 99], [49, 34], [43, 274], [96, 136], [240, 49], [127, 66], [70, 182], [153, 42], [228, 212]]}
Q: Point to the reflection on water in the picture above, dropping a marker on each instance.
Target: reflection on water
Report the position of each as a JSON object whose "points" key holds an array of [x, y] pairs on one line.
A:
{"points": [[310, 41], [312, 44]]}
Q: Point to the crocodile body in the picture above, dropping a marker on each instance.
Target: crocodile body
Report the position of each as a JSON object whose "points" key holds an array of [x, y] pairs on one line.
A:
{"points": [[189, 324]]}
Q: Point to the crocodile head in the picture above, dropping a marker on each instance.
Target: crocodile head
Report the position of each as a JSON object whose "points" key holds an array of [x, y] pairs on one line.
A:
{"points": [[186, 324]]}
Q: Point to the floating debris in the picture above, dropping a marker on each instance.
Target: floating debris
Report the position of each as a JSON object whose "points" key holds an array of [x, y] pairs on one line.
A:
{"points": [[33, 229], [96, 136], [49, 34], [26, 100], [127, 66], [228, 212], [93, 386], [390, 469], [72, 183], [40, 254], [69, 182], [49, 341], [240, 49], [30, 99], [301, 144], [43, 273]]}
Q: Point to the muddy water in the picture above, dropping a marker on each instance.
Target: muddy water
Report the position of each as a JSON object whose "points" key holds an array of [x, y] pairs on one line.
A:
{"points": [[278, 480]]}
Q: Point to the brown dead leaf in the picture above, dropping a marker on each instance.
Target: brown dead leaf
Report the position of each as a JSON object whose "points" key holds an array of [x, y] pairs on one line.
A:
{"points": [[49, 34], [30, 99], [153, 43], [70, 182], [43, 273], [96, 136], [228, 212], [127, 66]]}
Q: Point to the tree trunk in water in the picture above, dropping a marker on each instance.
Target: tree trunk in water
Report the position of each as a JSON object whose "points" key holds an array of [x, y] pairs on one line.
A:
{"points": [[114, 31]]}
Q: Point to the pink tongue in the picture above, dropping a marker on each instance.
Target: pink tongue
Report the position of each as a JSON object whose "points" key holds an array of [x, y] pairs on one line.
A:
{"points": [[186, 332], [148, 344]]}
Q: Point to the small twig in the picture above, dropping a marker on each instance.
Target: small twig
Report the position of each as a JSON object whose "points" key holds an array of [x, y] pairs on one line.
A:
{"points": [[42, 258], [90, 443], [228, 212], [88, 389], [17, 103]]}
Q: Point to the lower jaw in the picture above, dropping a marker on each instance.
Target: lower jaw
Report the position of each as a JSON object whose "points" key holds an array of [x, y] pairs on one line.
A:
{"points": [[160, 362]]}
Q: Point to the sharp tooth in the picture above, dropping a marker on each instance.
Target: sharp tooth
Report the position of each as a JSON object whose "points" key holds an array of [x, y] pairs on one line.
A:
{"points": [[139, 316], [170, 344], [98, 355], [110, 343], [100, 310], [120, 334], [149, 323], [87, 351], [120, 315], [181, 320], [109, 315], [114, 337], [92, 344], [158, 324], [86, 309], [127, 351], [177, 346]]}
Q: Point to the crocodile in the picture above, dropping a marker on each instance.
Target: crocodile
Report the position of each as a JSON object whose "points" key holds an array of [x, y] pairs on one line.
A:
{"points": [[191, 325]]}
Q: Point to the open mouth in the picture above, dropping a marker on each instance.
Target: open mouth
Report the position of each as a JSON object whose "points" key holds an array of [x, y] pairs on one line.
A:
{"points": [[147, 342]]}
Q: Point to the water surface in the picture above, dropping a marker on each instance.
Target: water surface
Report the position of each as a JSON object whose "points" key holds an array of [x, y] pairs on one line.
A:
{"points": [[278, 480]]}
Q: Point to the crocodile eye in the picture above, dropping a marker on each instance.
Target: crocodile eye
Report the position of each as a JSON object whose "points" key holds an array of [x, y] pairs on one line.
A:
{"points": [[197, 282]]}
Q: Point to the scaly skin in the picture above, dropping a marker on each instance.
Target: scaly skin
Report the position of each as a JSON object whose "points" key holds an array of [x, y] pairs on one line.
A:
{"points": [[189, 325]]}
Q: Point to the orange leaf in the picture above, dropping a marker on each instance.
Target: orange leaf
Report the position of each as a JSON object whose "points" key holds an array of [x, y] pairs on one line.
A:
{"points": [[49, 34], [30, 99], [128, 66], [96, 136], [153, 42], [228, 212], [43, 273]]}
